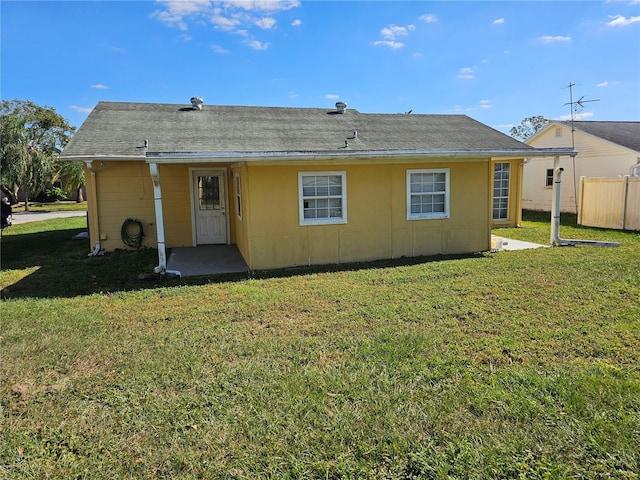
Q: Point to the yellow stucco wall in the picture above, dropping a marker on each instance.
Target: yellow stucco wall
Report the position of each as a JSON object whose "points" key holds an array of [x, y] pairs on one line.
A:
{"points": [[377, 225], [268, 233], [239, 225], [123, 190], [176, 205]]}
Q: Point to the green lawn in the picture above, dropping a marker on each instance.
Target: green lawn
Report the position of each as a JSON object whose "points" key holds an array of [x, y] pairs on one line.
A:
{"points": [[500, 365]]}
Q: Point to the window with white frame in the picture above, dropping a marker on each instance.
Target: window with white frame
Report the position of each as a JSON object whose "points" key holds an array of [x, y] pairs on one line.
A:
{"points": [[427, 193], [322, 197], [501, 173], [238, 197], [548, 181]]}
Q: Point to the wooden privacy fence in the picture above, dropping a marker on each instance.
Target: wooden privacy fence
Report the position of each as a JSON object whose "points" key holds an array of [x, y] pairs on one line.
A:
{"points": [[610, 203]]}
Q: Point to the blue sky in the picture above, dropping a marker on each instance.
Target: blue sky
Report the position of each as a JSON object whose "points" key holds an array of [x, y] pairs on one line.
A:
{"points": [[497, 62]]}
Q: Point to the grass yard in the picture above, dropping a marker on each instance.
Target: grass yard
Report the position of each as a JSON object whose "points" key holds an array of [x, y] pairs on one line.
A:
{"points": [[500, 365]]}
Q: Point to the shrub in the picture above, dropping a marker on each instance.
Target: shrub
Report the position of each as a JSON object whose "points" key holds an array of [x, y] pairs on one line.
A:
{"points": [[54, 194]]}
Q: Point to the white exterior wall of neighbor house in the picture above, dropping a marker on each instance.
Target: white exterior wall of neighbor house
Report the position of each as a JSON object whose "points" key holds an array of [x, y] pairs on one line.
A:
{"points": [[596, 158]]}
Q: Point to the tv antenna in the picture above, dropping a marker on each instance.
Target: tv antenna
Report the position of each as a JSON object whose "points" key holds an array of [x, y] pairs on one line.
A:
{"points": [[576, 108]]}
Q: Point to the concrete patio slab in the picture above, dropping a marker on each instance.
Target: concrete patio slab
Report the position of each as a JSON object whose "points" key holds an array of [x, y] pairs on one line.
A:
{"points": [[501, 243], [206, 260]]}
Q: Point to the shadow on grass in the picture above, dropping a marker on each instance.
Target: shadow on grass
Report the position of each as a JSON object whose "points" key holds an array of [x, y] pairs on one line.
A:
{"points": [[49, 264], [52, 264]]}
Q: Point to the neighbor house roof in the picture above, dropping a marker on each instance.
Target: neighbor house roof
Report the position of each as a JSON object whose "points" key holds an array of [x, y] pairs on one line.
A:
{"points": [[121, 130], [625, 134]]}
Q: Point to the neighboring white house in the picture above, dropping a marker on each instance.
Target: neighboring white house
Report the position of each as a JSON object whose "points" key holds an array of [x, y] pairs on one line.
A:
{"points": [[605, 149]]}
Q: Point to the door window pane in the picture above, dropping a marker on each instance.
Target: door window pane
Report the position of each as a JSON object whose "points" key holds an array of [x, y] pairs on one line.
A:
{"points": [[209, 193]]}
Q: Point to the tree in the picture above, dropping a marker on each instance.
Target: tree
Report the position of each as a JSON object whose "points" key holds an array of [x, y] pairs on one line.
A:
{"points": [[73, 172], [31, 139], [529, 127]]}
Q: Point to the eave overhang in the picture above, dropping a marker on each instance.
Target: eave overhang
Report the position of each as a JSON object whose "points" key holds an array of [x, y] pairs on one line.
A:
{"points": [[225, 157]]}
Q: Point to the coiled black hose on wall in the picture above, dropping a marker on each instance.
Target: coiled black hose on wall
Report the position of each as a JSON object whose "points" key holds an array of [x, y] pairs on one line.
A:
{"points": [[132, 232]]}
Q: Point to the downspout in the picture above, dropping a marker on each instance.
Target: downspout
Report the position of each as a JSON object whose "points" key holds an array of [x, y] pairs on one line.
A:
{"points": [[94, 224], [556, 240], [157, 198]]}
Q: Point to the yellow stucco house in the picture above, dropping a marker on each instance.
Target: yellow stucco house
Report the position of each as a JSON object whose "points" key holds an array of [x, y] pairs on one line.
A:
{"points": [[297, 186]]}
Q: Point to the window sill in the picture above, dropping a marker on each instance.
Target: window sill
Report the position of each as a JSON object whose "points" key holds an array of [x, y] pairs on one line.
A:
{"points": [[308, 223], [428, 217]]}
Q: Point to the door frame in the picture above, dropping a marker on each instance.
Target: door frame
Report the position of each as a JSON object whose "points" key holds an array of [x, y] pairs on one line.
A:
{"points": [[192, 198]]}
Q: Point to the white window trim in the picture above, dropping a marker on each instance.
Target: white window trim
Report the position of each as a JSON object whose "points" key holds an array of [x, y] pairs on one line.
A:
{"points": [[322, 221], [447, 194], [238, 192], [547, 178], [508, 196]]}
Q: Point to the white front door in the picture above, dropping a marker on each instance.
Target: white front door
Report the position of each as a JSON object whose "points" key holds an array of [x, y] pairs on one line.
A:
{"points": [[209, 199]]}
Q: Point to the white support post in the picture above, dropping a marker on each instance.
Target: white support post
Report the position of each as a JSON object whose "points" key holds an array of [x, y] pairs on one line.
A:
{"points": [[555, 202], [157, 198]]}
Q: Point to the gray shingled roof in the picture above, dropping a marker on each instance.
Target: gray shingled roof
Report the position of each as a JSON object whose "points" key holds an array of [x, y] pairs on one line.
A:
{"points": [[626, 134], [120, 129]]}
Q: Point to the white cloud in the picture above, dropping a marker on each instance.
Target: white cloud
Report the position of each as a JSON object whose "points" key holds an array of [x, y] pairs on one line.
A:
{"points": [[428, 18], [186, 38], [554, 39], [390, 34], [389, 43], [498, 21], [576, 116], [263, 5], [175, 10], [393, 31], [266, 23], [257, 45], [296, 23], [219, 49], [332, 96], [99, 86], [460, 108], [81, 109], [621, 21], [233, 16], [603, 84], [466, 73], [112, 48], [224, 23], [485, 104]]}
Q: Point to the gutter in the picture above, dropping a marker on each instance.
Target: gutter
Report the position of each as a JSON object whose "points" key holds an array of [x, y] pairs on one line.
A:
{"points": [[95, 156], [194, 157]]}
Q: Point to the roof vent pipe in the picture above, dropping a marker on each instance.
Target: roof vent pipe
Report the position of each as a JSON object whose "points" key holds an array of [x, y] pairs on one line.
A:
{"points": [[341, 107], [197, 103]]}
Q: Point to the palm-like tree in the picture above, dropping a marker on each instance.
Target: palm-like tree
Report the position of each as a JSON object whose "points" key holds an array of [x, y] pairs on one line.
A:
{"points": [[73, 173], [32, 138]]}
